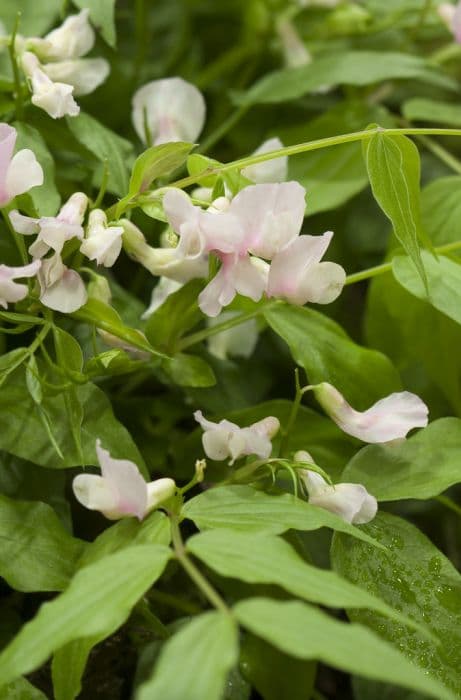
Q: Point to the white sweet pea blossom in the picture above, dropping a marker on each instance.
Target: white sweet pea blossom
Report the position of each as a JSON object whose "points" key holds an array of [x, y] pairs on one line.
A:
{"points": [[61, 289], [275, 170], [53, 231], [225, 439], [74, 38], [451, 16], [121, 491], [11, 291], [19, 172], [54, 98], [83, 74], [297, 275], [170, 109], [389, 419], [103, 243], [351, 502]]}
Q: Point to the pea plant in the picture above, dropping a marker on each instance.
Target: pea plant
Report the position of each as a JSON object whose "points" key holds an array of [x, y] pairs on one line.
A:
{"points": [[230, 369]]}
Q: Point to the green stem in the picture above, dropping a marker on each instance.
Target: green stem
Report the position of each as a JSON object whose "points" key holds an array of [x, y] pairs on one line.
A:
{"points": [[449, 503], [293, 413], [189, 567]]}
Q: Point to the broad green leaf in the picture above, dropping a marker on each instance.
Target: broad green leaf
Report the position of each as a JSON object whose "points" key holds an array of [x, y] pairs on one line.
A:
{"points": [[36, 18], [245, 508], [127, 532], [414, 576], [106, 146], [21, 689], [441, 209], [327, 354], [341, 68], [157, 161], [427, 110], [178, 314], [10, 361], [207, 648], [275, 675], [269, 559], [37, 553], [305, 632], [393, 167], [69, 354], [422, 466], [22, 433], [189, 370], [444, 282], [97, 601], [102, 16], [46, 198], [68, 666]]}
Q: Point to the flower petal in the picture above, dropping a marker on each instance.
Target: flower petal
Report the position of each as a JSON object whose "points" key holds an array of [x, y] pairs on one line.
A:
{"points": [[274, 170], [7, 142], [24, 172], [83, 74], [96, 493], [67, 294], [158, 492], [128, 484]]}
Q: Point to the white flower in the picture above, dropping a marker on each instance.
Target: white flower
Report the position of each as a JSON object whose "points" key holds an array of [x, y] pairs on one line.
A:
{"points": [[121, 491], [225, 439], [18, 173], [61, 289], [103, 243], [275, 170], [54, 98], [351, 502], [239, 341], [389, 419], [11, 291], [297, 275], [170, 109], [74, 38], [83, 74]]}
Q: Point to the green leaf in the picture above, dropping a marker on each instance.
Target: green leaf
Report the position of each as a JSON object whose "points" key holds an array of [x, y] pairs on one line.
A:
{"points": [[305, 632], [178, 314], [444, 280], [244, 508], [21, 689], [156, 162], [37, 553], [197, 164], [269, 559], [97, 601], [68, 666], [22, 434], [327, 354], [341, 68], [102, 16], [406, 469], [36, 18], [46, 198], [393, 167], [189, 370], [414, 576], [427, 110], [208, 649], [110, 149]]}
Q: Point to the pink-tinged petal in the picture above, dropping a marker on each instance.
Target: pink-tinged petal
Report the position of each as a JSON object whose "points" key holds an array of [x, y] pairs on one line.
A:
{"points": [[73, 211], [158, 492], [250, 276], [67, 294], [179, 209], [24, 224], [126, 480], [271, 216], [218, 293], [7, 143], [275, 170], [96, 493], [23, 173], [389, 419], [222, 232]]}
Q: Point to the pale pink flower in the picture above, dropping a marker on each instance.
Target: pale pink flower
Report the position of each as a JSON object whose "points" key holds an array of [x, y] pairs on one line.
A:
{"points": [[171, 109], [53, 231], [121, 491], [451, 16], [297, 275], [18, 173], [11, 291], [225, 439], [237, 275], [389, 419], [103, 243], [351, 502], [61, 289]]}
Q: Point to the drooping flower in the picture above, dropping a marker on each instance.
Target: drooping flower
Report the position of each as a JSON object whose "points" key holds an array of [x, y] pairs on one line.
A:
{"points": [[121, 491], [268, 171], [297, 275], [18, 173], [451, 16], [389, 419], [61, 289], [54, 98], [53, 231], [351, 502], [103, 243], [225, 439], [11, 291], [166, 110]]}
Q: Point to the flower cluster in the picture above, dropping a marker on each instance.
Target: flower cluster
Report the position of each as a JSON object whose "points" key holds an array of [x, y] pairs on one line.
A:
{"points": [[55, 68]]}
